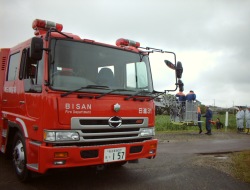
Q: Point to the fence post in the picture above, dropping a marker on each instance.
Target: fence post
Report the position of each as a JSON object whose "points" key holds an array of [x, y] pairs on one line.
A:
{"points": [[226, 121]]}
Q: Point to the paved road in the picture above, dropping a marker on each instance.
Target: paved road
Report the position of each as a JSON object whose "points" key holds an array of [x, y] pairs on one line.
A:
{"points": [[173, 168]]}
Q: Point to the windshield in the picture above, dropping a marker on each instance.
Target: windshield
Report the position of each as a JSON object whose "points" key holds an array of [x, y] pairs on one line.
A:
{"points": [[75, 64]]}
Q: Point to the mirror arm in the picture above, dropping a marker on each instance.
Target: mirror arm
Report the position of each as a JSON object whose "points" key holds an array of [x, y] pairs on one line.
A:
{"points": [[172, 90], [46, 49]]}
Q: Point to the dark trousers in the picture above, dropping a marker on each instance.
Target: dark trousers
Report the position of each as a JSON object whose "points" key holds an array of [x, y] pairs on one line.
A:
{"points": [[199, 123], [208, 125]]}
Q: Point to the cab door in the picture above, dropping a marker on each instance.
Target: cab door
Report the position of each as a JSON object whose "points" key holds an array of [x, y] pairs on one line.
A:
{"points": [[31, 74]]}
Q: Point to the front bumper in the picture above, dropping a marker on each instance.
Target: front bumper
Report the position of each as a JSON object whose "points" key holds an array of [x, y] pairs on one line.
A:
{"points": [[41, 157]]}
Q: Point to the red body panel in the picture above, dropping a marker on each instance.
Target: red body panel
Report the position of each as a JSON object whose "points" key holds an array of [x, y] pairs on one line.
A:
{"points": [[69, 107], [32, 113]]}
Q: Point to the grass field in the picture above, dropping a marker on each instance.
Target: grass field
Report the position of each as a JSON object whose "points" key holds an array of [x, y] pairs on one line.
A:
{"points": [[163, 123], [241, 165]]}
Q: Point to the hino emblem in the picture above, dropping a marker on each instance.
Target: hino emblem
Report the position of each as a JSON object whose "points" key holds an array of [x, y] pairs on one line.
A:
{"points": [[115, 122], [117, 107]]}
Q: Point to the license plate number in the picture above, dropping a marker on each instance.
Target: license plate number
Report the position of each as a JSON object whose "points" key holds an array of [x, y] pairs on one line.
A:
{"points": [[114, 154]]}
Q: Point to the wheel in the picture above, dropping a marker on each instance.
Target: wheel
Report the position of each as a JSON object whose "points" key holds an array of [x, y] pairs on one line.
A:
{"points": [[19, 158]]}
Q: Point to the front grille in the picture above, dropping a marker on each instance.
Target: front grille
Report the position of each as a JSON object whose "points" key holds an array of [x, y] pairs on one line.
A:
{"points": [[105, 121], [99, 130], [109, 136], [110, 133], [93, 122], [110, 130]]}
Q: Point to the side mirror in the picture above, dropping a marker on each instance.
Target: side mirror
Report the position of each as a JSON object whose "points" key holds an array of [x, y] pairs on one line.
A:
{"points": [[36, 48], [179, 69], [169, 64]]}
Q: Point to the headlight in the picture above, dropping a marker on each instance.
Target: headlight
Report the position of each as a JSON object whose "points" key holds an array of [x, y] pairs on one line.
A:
{"points": [[148, 132], [53, 136]]}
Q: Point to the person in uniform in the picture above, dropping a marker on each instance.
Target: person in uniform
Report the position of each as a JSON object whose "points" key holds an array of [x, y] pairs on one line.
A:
{"points": [[191, 96], [240, 119], [247, 118], [181, 96], [208, 115], [199, 119]]}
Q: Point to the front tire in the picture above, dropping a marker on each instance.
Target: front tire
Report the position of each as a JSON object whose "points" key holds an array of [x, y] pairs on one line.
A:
{"points": [[20, 158]]}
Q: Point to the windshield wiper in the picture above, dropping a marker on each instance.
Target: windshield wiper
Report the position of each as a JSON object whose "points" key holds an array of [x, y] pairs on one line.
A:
{"points": [[137, 93], [84, 87], [104, 94], [153, 95]]}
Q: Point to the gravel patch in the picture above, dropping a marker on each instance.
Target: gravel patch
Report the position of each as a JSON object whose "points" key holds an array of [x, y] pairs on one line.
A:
{"points": [[220, 161]]}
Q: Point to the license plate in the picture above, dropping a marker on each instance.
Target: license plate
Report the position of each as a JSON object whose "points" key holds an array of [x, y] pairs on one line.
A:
{"points": [[114, 154]]}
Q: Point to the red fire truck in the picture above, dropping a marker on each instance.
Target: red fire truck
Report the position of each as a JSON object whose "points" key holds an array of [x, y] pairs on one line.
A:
{"points": [[69, 102]]}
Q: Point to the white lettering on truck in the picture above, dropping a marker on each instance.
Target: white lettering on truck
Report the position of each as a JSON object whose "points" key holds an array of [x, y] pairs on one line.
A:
{"points": [[10, 89], [145, 110], [78, 108]]}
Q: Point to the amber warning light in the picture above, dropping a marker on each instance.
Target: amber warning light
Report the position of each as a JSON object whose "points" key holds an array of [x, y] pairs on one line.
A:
{"points": [[125, 42], [39, 24]]}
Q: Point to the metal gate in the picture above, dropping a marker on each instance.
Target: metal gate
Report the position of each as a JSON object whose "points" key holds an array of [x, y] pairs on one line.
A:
{"points": [[185, 112]]}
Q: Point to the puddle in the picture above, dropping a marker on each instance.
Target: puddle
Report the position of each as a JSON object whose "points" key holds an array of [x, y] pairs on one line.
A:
{"points": [[221, 157]]}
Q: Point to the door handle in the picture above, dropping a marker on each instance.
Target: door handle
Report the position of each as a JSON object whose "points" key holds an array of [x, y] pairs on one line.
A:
{"points": [[22, 102]]}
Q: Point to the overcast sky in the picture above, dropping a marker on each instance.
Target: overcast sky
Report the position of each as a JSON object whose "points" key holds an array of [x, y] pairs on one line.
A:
{"points": [[210, 37]]}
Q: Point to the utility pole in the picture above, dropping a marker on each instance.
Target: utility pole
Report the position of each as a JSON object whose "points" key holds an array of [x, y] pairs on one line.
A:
{"points": [[233, 107], [214, 104]]}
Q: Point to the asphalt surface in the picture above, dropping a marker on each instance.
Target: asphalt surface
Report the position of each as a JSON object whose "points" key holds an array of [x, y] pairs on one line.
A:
{"points": [[175, 167]]}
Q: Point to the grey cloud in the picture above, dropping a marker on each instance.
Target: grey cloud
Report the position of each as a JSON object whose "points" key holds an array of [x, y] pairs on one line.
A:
{"points": [[216, 27]]}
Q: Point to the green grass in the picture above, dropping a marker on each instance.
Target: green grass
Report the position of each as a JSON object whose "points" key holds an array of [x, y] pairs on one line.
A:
{"points": [[163, 123], [241, 165]]}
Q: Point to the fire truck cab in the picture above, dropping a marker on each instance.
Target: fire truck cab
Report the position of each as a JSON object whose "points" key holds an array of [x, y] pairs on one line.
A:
{"points": [[69, 102]]}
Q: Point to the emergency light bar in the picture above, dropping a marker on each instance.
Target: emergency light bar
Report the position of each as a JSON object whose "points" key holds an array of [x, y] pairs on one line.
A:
{"points": [[46, 25], [125, 42]]}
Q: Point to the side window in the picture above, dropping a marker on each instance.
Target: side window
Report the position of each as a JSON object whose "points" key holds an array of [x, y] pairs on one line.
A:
{"points": [[30, 68], [13, 67], [131, 76], [136, 74], [31, 72], [142, 77]]}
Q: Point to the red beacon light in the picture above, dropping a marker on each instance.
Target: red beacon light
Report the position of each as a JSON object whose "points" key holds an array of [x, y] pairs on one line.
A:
{"points": [[125, 42], [39, 24]]}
